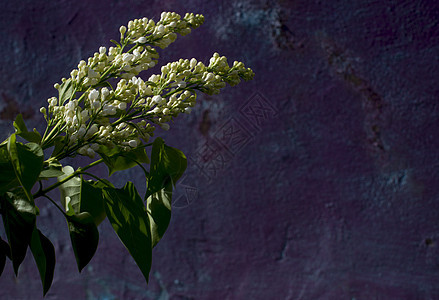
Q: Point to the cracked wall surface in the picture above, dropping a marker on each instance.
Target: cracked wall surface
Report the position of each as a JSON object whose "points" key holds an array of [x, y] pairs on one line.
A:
{"points": [[316, 180]]}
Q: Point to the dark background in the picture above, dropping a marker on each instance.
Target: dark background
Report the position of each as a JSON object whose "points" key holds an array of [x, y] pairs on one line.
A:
{"points": [[316, 180]]}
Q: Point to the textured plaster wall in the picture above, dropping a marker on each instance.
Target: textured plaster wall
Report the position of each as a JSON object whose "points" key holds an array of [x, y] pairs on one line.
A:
{"points": [[317, 180]]}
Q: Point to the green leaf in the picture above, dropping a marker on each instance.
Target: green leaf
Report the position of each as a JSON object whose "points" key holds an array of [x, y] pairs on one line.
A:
{"points": [[116, 43], [167, 166], [127, 215], [70, 191], [13, 156], [79, 195], [19, 215], [50, 172], [66, 91], [2, 262], [84, 236], [8, 180], [5, 251], [44, 255], [92, 200], [27, 161], [21, 130], [118, 160], [31, 158], [159, 212]]}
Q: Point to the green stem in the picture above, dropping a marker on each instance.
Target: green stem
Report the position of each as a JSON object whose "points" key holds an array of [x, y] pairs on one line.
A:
{"points": [[45, 132], [96, 177], [102, 78], [83, 95], [54, 203], [142, 167], [53, 133], [133, 48], [55, 185]]}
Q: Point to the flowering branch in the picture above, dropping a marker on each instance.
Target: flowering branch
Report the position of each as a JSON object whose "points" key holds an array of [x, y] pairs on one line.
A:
{"points": [[92, 118]]}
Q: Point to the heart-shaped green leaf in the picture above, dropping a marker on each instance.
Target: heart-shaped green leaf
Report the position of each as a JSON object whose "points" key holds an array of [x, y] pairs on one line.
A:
{"points": [[8, 180], [167, 166], [27, 161], [5, 251], [44, 255], [70, 191], [21, 130], [66, 91], [159, 212], [118, 160], [19, 216], [50, 172], [127, 215], [84, 236], [92, 199], [79, 195], [51, 169]]}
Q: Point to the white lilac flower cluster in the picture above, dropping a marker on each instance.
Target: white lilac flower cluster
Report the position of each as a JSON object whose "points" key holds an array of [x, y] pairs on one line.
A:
{"points": [[142, 33], [114, 63], [128, 114], [195, 75], [104, 117], [162, 33]]}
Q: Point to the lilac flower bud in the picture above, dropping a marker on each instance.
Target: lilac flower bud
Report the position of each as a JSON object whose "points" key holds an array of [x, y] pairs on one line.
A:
{"points": [[127, 57], [132, 143], [81, 131], [141, 40], [70, 105], [84, 115], [105, 92], [193, 63], [93, 95], [157, 99], [165, 126], [90, 153], [122, 106], [92, 73], [160, 29]]}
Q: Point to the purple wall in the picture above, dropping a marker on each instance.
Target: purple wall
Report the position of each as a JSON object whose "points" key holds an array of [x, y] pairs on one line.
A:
{"points": [[328, 188]]}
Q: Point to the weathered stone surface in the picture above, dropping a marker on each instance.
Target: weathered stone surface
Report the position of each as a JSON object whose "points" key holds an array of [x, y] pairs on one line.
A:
{"points": [[328, 192]]}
